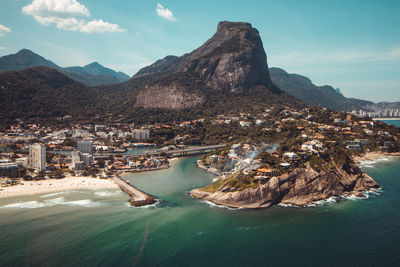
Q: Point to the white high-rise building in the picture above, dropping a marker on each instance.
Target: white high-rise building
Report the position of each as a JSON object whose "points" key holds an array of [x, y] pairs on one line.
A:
{"points": [[140, 134], [85, 147], [37, 157]]}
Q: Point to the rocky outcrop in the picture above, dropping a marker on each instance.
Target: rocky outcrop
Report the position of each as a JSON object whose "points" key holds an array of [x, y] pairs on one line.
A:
{"points": [[168, 97], [299, 188], [233, 60]]}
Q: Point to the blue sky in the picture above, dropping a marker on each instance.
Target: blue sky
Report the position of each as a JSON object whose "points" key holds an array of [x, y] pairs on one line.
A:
{"points": [[352, 45]]}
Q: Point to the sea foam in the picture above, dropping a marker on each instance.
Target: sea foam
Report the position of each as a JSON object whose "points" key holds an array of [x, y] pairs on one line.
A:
{"points": [[156, 204], [221, 206], [84, 202], [52, 202], [107, 193], [52, 195], [25, 205]]}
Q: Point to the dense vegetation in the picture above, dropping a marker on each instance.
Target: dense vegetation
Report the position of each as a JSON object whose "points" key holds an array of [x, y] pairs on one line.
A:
{"points": [[322, 96], [44, 95]]}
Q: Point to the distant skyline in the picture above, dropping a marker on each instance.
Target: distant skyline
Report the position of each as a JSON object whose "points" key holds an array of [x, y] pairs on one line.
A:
{"points": [[351, 45]]}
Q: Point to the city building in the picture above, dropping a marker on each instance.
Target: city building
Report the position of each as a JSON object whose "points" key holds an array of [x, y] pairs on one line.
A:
{"points": [[80, 160], [37, 157], [76, 162], [100, 128], [87, 159], [85, 146], [140, 134], [8, 166]]}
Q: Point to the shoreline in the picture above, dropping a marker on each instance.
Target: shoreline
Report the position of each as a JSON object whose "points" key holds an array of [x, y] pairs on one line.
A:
{"points": [[27, 188], [373, 156], [385, 119], [256, 198], [255, 206]]}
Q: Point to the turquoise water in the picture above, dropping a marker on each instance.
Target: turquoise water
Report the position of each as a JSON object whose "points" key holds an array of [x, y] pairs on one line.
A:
{"points": [[392, 122], [98, 228], [139, 150]]}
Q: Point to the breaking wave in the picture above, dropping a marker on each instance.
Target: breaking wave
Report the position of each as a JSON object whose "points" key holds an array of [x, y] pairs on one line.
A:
{"points": [[107, 193], [52, 202], [84, 203], [53, 194], [25, 205], [60, 193], [156, 204], [221, 206]]}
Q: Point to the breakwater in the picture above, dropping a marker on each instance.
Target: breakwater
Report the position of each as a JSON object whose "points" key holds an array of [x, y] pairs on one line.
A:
{"points": [[138, 198]]}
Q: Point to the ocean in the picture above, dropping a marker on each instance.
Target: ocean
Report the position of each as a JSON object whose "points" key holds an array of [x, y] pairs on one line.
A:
{"points": [[98, 228], [392, 122]]}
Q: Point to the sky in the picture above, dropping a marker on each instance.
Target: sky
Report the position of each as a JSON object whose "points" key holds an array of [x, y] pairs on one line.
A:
{"points": [[351, 45]]}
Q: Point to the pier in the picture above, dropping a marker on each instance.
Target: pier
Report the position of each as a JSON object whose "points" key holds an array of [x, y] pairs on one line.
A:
{"points": [[138, 198]]}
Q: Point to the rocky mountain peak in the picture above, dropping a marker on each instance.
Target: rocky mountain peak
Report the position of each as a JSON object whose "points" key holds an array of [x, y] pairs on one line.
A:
{"points": [[233, 59]]}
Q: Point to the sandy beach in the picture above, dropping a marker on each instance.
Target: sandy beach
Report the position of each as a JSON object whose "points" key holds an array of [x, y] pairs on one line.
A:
{"points": [[373, 156], [55, 185]]}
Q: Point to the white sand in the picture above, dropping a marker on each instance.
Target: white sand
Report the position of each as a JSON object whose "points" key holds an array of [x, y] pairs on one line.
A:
{"points": [[55, 185], [370, 156]]}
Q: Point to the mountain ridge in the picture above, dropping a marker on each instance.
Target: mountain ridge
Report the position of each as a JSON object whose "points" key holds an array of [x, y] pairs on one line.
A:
{"points": [[228, 74], [89, 75]]}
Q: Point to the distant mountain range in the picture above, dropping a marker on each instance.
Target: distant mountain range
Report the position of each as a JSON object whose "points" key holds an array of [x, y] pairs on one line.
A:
{"points": [[226, 75], [41, 93], [323, 96], [91, 75]]}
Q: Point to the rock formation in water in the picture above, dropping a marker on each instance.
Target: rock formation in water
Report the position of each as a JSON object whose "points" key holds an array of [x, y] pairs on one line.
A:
{"points": [[301, 187]]}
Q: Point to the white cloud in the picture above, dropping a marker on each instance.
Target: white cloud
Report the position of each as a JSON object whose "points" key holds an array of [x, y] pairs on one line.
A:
{"points": [[65, 15], [2, 48], [100, 26], [56, 8], [165, 13], [3, 30]]}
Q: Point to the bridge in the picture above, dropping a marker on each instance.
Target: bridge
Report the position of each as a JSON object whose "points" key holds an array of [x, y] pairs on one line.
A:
{"points": [[184, 152], [173, 153]]}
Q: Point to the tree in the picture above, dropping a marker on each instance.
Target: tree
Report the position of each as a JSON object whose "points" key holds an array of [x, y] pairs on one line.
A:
{"points": [[101, 163]]}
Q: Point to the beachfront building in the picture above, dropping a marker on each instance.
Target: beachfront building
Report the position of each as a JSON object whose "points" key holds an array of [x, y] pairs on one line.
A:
{"points": [[37, 157], [140, 134], [84, 146], [80, 160], [87, 159], [76, 162]]}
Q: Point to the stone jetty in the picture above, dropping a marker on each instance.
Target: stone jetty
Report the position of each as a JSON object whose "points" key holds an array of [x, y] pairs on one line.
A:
{"points": [[138, 198]]}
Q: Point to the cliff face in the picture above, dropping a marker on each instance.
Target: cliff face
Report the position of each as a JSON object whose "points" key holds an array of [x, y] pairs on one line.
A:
{"points": [[167, 97], [299, 188], [232, 60]]}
